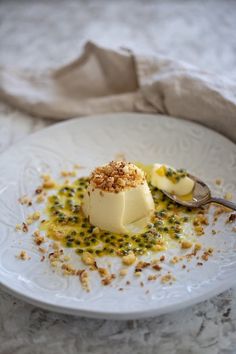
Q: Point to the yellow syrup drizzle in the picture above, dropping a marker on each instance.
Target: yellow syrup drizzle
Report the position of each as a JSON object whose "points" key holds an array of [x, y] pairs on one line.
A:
{"points": [[67, 224]]}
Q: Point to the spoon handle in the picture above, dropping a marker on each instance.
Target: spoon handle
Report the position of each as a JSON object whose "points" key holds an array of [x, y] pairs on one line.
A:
{"points": [[224, 202]]}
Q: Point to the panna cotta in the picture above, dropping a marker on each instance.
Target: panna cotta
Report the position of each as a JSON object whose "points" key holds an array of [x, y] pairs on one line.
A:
{"points": [[171, 180], [117, 196]]}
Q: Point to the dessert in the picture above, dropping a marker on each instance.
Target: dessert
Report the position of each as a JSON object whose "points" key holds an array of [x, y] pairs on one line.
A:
{"points": [[93, 216], [171, 180], [117, 196]]}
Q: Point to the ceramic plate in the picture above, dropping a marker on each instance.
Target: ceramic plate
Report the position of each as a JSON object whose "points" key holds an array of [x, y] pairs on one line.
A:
{"points": [[91, 142]]}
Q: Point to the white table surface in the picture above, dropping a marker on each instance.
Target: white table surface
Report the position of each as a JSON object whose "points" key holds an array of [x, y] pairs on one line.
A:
{"points": [[44, 34]]}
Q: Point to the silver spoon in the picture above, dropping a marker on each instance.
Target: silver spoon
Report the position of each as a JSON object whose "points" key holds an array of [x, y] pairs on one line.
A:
{"points": [[201, 195]]}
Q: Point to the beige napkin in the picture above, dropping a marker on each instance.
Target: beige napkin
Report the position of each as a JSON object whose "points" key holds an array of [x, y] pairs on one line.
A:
{"points": [[103, 80]]}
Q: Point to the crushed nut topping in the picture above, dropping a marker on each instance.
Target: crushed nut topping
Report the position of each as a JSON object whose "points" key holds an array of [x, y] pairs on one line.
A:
{"points": [[117, 176]]}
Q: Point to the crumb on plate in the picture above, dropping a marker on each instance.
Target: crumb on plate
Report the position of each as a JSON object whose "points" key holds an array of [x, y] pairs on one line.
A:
{"points": [[129, 259], [25, 200], [23, 256]]}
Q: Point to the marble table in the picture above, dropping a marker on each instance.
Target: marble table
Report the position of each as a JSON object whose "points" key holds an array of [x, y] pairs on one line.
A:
{"points": [[47, 34]]}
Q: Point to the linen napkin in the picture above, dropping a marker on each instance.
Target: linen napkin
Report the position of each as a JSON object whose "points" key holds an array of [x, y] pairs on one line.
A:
{"points": [[103, 80]]}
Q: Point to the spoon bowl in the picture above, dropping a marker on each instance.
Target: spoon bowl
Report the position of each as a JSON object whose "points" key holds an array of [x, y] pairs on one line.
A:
{"points": [[201, 195]]}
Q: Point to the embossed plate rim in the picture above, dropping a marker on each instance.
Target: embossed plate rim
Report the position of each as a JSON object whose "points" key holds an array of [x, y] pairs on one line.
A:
{"points": [[132, 314]]}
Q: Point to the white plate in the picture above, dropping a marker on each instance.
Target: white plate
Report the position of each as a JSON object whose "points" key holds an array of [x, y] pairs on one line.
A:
{"points": [[90, 142]]}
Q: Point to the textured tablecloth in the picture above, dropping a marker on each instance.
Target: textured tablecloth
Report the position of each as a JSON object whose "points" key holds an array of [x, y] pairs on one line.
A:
{"points": [[48, 33]]}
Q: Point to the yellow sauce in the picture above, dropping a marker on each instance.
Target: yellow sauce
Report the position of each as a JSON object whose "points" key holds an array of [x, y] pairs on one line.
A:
{"points": [[187, 197], [67, 224]]}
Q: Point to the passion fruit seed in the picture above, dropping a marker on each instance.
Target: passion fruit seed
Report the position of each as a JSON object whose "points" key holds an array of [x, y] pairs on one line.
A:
{"points": [[167, 222]]}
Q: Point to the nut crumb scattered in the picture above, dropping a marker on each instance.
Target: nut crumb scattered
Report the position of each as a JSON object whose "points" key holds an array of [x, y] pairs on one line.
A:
{"points": [[25, 200], [123, 272], [32, 217], [175, 260], [218, 181], [219, 211], [23, 256], [84, 279], [40, 198], [38, 239], [108, 279], [167, 278], [42, 249], [77, 166], [103, 272], [197, 247], [25, 227], [18, 227], [158, 247], [186, 244], [88, 259], [129, 259], [207, 253], [48, 182], [228, 196], [141, 265], [68, 173], [231, 218], [38, 190], [157, 267], [68, 269]]}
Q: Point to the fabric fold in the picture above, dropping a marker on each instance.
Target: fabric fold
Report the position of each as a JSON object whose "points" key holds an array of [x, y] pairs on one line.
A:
{"points": [[103, 81]]}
